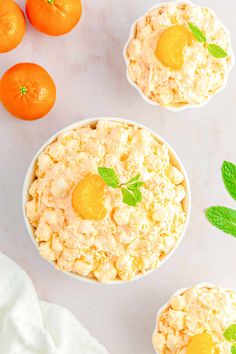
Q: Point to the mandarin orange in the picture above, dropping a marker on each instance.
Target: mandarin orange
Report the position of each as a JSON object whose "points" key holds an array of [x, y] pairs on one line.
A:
{"points": [[54, 17], [87, 198], [27, 91], [12, 25], [201, 344], [170, 46]]}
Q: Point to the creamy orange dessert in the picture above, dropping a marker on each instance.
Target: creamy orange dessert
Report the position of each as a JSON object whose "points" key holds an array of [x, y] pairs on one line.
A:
{"points": [[180, 54], [107, 201], [196, 322]]}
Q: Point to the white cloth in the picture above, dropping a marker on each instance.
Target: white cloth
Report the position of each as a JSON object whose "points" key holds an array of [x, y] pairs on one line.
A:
{"points": [[30, 326]]}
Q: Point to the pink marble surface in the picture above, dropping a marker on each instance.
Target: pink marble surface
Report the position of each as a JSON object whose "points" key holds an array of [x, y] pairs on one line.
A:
{"points": [[88, 68]]}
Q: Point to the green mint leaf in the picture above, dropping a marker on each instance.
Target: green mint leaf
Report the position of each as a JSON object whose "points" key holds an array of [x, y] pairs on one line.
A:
{"points": [[229, 177], [136, 192], [230, 333], [233, 349], [128, 197], [222, 218], [137, 195], [134, 179], [198, 34], [216, 51], [109, 176], [135, 185]]}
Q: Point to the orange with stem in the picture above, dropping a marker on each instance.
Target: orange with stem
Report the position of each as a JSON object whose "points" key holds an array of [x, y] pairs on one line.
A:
{"points": [[27, 91]]}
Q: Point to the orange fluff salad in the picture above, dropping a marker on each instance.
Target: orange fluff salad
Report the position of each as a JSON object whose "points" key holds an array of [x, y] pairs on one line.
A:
{"points": [[82, 225], [195, 321], [169, 62]]}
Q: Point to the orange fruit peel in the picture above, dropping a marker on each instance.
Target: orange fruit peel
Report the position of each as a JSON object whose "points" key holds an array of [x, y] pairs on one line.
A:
{"points": [[171, 44], [87, 198]]}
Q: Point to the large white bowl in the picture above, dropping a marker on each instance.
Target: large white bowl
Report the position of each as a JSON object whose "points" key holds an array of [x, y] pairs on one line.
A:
{"points": [[132, 83], [30, 176], [177, 293]]}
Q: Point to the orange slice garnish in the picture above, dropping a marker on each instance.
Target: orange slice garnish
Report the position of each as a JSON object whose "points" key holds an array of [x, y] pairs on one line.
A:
{"points": [[170, 46], [87, 198], [201, 344]]}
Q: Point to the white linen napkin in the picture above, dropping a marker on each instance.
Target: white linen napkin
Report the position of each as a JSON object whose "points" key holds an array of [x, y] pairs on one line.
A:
{"points": [[31, 326]]}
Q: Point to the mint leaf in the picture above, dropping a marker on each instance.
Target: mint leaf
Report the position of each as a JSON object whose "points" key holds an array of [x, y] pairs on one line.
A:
{"points": [[128, 197], [137, 195], [109, 176], [233, 349], [229, 177], [230, 333], [198, 34], [222, 218], [216, 51], [134, 179], [136, 192], [135, 185]]}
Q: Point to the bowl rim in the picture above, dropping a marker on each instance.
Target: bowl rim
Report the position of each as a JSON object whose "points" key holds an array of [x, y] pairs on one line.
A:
{"points": [[82, 123], [147, 99], [177, 293]]}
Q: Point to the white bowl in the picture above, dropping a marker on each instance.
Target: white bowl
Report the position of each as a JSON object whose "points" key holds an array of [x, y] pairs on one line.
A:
{"points": [[145, 98], [177, 293], [30, 176]]}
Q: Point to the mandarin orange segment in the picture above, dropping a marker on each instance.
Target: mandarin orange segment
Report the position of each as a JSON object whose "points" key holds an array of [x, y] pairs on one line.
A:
{"points": [[170, 46], [201, 344], [87, 198]]}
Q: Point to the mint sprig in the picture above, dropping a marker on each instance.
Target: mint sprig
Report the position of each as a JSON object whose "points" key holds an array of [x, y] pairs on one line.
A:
{"points": [[230, 336], [221, 217], [130, 190], [215, 50]]}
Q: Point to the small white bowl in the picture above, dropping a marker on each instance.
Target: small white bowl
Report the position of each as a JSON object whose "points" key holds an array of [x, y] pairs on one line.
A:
{"points": [[132, 83], [177, 293], [30, 176]]}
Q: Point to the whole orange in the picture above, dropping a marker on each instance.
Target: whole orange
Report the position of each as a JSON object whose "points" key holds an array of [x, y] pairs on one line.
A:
{"points": [[27, 91], [12, 25], [54, 17]]}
